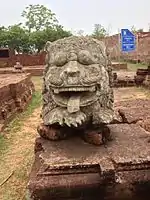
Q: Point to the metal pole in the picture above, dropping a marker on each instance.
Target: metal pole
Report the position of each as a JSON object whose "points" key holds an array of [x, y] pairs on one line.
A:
{"points": [[137, 47], [119, 40]]}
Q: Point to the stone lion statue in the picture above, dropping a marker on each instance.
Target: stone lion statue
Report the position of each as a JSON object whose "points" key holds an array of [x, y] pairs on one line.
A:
{"points": [[77, 88]]}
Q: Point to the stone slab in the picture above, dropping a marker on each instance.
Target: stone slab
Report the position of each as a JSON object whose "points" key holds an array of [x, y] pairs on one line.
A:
{"points": [[133, 115], [135, 103], [73, 169]]}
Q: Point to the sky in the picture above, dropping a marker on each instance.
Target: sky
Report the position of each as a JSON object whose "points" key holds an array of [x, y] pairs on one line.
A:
{"points": [[78, 15]]}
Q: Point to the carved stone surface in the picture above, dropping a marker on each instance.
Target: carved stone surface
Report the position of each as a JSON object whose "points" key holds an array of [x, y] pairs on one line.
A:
{"points": [[18, 66], [77, 83]]}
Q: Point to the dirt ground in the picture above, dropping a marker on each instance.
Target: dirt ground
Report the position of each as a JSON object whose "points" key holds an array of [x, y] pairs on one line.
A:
{"points": [[128, 93], [17, 145]]}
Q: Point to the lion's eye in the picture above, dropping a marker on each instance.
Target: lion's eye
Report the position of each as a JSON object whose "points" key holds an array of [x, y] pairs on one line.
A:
{"points": [[85, 58], [60, 59]]}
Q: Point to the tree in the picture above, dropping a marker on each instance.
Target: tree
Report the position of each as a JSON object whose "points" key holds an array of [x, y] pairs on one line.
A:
{"points": [[38, 17], [3, 37], [18, 38], [99, 31], [140, 30], [33, 37], [15, 37], [80, 32], [39, 38], [134, 30]]}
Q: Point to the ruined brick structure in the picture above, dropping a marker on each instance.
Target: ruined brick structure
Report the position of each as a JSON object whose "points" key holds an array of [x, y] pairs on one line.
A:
{"points": [[15, 93], [143, 54], [112, 42], [5, 57], [30, 60], [24, 59]]}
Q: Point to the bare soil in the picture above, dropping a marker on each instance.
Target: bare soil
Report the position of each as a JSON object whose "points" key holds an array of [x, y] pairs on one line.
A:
{"points": [[130, 93], [18, 158]]}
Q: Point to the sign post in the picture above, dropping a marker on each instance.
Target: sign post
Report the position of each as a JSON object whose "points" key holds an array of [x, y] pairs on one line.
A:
{"points": [[119, 40], [128, 41]]}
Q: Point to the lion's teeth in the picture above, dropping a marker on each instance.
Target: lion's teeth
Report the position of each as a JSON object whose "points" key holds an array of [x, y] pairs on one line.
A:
{"points": [[74, 89], [56, 91], [92, 89]]}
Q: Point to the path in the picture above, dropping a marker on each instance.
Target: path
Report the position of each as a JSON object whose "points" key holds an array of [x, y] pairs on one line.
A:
{"points": [[18, 159]]}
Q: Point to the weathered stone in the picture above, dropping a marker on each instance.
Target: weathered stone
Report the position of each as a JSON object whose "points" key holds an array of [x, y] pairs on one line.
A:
{"points": [[18, 66], [145, 124], [124, 79], [146, 82], [133, 115], [93, 137], [98, 136], [15, 92], [51, 132], [73, 169], [77, 83], [135, 103]]}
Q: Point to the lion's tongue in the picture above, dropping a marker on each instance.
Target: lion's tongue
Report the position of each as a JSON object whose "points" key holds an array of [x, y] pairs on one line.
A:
{"points": [[73, 103]]}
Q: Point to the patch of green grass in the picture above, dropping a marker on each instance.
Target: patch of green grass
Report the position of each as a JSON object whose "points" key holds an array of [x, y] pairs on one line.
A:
{"points": [[35, 103], [144, 90], [134, 67], [3, 144], [17, 122], [37, 80]]}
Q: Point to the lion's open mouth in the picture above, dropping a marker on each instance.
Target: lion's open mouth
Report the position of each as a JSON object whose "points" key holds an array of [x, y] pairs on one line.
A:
{"points": [[74, 97]]}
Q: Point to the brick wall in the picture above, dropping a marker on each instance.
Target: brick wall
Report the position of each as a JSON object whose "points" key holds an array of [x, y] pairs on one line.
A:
{"points": [[24, 59], [30, 60], [112, 42], [143, 53]]}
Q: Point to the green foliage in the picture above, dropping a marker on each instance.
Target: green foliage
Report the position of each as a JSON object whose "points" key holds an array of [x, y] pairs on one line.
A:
{"points": [[17, 38], [39, 38], [99, 31], [134, 30], [3, 37], [41, 25], [39, 17]]}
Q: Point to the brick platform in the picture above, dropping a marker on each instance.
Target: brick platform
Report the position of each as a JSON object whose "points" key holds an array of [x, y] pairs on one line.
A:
{"points": [[73, 169], [15, 93], [33, 70], [119, 66]]}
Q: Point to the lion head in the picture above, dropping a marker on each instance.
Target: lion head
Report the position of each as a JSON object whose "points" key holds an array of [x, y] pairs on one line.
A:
{"points": [[76, 82]]}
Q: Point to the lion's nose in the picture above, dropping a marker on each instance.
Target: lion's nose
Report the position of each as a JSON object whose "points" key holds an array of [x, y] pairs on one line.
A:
{"points": [[72, 69]]}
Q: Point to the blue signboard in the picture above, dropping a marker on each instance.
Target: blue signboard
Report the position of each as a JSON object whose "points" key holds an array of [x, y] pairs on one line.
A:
{"points": [[128, 42]]}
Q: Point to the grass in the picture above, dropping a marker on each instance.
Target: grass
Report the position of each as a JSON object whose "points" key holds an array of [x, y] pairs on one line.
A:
{"points": [[144, 91], [17, 122], [37, 82], [17, 148], [3, 144], [134, 67]]}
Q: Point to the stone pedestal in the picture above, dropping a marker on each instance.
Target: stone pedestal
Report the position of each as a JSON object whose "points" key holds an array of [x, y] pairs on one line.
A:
{"points": [[72, 169]]}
